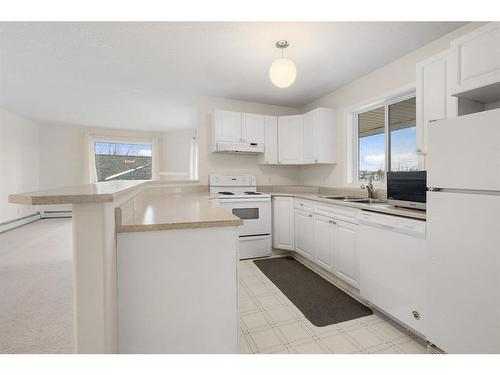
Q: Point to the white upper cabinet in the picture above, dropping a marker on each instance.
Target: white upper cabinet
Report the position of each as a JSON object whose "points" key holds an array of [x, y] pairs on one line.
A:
{"points": [[227, 126], [283, 223], [431, 96], [324, 135], [346, 256], [297, 139], [324, 241], [290, 139], [252, 128], [270, 141], [319, 136], [308, 139], [475, 59]]}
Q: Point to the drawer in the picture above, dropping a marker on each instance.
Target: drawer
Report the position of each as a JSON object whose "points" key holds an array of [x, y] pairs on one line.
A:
{"points": [[304, 204], [336, 211]]}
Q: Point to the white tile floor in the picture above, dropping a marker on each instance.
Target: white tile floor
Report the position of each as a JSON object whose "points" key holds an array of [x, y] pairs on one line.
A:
{"points": [[270, 323]]}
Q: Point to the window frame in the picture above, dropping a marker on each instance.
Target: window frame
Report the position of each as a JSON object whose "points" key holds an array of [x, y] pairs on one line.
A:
{"points": [[352, 175], [91, 139]]}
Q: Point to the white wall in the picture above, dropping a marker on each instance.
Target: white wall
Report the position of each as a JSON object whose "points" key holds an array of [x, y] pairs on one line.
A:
{"points": [[18, 162], [177, 153], [63, 158], [61, 155], [210, 162], [375, 85]]}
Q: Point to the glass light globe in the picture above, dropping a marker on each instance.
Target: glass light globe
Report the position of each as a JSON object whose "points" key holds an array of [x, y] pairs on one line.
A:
{"points": [[282, 72]]}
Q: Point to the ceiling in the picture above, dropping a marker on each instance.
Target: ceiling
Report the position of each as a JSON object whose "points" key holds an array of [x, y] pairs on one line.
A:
{"points": [[148, 75]]}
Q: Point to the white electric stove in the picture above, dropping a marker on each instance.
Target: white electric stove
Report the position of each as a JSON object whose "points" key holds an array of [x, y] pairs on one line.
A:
{"points": [[238, 194]]}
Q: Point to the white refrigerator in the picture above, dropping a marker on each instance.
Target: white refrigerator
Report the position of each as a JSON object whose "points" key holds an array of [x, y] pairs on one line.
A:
{"points": [[463, 233]]}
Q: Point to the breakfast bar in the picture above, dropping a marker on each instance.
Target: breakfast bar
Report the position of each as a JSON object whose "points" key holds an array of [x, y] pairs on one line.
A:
{"points": [[154, 236]]}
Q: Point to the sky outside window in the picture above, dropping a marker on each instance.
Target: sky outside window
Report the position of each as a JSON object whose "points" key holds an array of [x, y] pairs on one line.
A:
{"points": [[372, 140], [129, 149]]}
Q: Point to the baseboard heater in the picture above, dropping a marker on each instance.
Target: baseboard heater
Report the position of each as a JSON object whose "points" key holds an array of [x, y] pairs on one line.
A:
{"points": [[8, 225], [55, 214]]}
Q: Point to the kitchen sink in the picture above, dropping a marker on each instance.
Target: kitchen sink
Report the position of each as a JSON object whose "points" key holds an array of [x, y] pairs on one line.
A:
{"points": [[355, 199]]}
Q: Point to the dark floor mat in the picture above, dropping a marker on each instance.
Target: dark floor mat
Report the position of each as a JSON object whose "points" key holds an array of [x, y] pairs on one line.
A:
{"points": [[319, 300]]}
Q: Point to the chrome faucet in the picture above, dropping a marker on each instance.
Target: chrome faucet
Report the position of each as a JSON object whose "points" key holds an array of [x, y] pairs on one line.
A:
{"points": [[369, 187]]}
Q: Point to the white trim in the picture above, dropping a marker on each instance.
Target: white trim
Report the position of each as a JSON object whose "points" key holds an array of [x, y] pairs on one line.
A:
{"points": [[193, 165], [8, 225], [56, 214], [351, 115], [90, 139]]}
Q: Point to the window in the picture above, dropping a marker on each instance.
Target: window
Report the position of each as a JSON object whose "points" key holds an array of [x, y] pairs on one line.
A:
{"points": [[386, 140], [122, 161]]}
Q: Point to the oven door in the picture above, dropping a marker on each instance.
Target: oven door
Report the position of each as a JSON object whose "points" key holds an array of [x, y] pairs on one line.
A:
{"points": [[256, 215]]}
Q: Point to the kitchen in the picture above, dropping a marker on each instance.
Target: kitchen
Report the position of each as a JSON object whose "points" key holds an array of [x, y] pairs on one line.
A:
{"points": [[309, 222]]}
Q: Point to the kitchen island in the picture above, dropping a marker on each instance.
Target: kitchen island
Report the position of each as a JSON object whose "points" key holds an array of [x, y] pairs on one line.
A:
{"points": [[162, 267]]}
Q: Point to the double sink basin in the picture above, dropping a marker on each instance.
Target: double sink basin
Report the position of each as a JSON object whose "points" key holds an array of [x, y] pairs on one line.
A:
{"points": [[355, 199]]}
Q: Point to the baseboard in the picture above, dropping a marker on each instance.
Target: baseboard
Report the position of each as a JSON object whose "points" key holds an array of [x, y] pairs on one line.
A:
{"points": [[56, 214], [8, 225]]}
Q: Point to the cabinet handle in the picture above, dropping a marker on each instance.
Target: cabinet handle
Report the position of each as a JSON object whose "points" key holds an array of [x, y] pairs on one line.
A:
{"points": [[315, 160], [431, 121]]}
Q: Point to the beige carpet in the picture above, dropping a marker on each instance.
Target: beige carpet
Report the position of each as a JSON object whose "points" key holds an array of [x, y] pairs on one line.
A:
{"points": [[36, 288]]}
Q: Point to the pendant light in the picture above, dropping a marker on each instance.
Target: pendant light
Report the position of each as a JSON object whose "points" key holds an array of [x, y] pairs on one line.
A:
{"points": [[282, 71]]}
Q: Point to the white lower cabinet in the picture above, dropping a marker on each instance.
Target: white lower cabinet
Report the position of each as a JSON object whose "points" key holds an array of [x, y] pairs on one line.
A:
{"points": [[324, 241], [304, 233], [346, 255], [327, 241], [283, 223]]}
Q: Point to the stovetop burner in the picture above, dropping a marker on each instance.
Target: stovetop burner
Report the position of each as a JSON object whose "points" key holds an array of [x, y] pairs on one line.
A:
{"points": [[225, 193], [252, 193]]}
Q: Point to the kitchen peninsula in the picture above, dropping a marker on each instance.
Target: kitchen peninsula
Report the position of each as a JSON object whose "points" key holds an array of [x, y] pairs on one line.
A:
{"points": [[120, 278]]}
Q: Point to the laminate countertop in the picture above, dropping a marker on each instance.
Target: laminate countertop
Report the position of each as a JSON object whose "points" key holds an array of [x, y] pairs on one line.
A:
{"points": [[176, 211], [375, 207], [89, 193]]}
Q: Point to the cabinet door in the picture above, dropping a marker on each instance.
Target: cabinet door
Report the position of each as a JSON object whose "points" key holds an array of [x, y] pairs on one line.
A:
{"points": [[252, 128], [325, 135], [324, 241], [283, 223], [346, 256], [227, 126], [290, 139], [270, 141], [431, 96], [308, 136], [475, 59], [304, 238]]}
